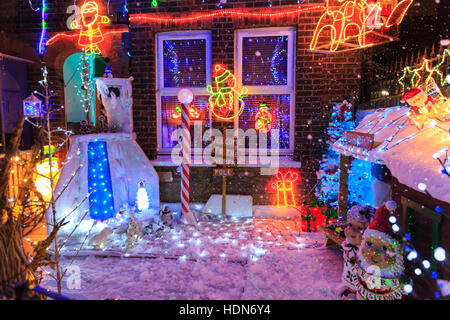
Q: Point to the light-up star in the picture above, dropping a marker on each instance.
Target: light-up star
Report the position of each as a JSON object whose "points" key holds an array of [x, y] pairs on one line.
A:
{"points": [[423, 74]]}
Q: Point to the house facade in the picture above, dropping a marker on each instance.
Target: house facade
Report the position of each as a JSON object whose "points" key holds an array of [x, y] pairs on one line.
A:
{"points": [[176, 45]]}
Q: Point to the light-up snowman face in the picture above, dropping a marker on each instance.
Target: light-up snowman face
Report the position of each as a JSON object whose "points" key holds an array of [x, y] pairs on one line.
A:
{"points": [[379, 252], [41, 181]]}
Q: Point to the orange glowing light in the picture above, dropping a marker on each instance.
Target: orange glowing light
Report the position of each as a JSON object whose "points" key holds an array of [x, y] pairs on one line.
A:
{"points": [[238, 12], [263, 119], [350, 21], [90, 35], [194, 113], [426, 111], [221, 100], [284, 185]]}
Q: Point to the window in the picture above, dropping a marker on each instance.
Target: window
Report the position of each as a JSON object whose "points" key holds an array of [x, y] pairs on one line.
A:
{"points": [[183, 61], [265, 64]]}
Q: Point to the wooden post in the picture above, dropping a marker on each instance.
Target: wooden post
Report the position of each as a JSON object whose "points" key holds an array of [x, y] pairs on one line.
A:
{"points": [[3, 147], [224, 195], [343, 186]]}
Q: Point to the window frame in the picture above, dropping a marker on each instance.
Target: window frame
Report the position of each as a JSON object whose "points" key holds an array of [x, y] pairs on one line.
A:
{"points": [[288, 89], [173, 92]]}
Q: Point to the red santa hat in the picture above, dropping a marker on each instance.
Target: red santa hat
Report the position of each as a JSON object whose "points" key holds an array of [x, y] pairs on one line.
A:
{"points": [[410, 93], [380, 226]]}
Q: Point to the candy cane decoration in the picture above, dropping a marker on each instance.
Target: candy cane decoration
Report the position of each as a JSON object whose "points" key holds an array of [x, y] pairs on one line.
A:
{"points": [[185, 96]]}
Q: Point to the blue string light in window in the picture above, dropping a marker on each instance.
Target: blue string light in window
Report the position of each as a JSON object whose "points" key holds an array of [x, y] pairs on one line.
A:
{"points": [[101, 199]]}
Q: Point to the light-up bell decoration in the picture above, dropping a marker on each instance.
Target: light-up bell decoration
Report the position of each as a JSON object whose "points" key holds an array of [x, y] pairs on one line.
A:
{"points": [[32, 107], [91, 34], [263, 119], [42, 177], [221, 100], [350, 21], [194, 113], [284, 185]]}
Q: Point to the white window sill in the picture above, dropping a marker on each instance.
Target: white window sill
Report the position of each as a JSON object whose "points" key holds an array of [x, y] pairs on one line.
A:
{"points": [[283, 162]]}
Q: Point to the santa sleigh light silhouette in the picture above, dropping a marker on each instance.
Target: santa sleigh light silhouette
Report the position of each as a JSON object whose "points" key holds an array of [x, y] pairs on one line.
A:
{"points": [[348, 23]]}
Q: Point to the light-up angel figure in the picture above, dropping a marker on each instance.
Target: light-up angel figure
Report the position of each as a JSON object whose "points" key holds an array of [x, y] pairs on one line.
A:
{"points": [[90, 27], [222, 92]]}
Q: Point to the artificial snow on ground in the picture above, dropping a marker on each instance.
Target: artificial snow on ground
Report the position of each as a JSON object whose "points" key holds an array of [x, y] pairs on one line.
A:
{"points": [[257, 258]]}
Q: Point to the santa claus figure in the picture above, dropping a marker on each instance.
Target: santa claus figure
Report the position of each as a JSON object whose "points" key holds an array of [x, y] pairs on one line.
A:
{"points": [[358, 218], [91, 34], [424, 109], [380, 260]]}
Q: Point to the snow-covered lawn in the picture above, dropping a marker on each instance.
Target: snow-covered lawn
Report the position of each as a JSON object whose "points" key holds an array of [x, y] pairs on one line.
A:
{"points": [[253, 259]]}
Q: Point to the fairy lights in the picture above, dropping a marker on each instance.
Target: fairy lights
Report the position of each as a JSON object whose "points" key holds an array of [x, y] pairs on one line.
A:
{"points": [[284, 185], [351, 23], [99, 181], [221, 100], [42, 43]]}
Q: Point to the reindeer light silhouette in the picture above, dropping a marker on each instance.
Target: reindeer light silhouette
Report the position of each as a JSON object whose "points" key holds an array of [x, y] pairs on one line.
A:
{"points": [[348, 20]]}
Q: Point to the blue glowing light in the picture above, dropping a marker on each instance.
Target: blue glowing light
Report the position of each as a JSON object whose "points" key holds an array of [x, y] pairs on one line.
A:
{"points": [[42, 42], [99, 182]]}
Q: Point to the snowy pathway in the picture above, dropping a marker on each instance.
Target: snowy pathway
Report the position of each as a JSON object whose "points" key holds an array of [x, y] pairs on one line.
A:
{"points": [[253, 259]]}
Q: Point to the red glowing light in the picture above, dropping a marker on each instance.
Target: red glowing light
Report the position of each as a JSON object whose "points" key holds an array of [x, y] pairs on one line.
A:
{"points": [[90, 35]]}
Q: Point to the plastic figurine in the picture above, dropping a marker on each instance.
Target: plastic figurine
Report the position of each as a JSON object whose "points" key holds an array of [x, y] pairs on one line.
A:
{"points": [[358, 219]]}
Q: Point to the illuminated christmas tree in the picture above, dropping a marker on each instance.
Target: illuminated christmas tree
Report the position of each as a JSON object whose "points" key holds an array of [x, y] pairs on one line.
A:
{"points": [[360, 177]]}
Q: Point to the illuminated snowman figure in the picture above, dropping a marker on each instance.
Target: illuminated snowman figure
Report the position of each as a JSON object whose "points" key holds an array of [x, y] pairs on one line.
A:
{"points": [[221, 100], [42, 178]]}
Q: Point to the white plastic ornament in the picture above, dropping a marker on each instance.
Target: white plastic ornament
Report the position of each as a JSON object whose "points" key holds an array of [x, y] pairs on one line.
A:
{"points": [[185, 96], [142, 197]]}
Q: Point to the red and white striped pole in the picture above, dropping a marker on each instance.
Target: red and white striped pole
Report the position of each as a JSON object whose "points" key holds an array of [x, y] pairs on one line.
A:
{"points": [[185, 96]]}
